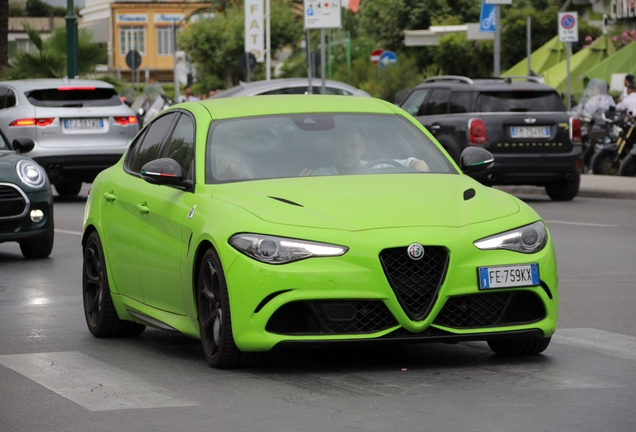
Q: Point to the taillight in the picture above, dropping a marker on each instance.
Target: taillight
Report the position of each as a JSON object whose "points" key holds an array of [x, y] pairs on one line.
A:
{"points": [[32, 122], [575, 131], [476, 131], [126, 120]]}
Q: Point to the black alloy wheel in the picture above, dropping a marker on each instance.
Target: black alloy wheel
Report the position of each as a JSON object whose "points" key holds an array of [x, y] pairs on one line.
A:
{"points": [[99, 311], [215, 322]]}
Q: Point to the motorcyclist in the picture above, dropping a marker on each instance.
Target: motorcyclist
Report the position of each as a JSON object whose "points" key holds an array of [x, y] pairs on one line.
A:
{"points": [[598, 100]]}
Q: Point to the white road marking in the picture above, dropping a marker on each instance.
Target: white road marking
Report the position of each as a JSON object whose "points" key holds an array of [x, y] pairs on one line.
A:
{"points": [[614, 344], [582, 224], [68, 232], [91, 383]]}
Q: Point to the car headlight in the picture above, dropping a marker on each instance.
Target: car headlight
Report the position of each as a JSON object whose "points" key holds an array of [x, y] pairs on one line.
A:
{"points": [[280, 250], [30, 173], [526, 239]]}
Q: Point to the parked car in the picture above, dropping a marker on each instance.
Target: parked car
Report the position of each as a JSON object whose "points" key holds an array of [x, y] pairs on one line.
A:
{"points": [[233, 221], [26, 200], [524, 124], [79, 127], [290, 86]]}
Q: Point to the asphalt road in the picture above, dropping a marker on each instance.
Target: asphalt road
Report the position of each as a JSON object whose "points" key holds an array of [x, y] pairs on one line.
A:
{"points": [[54, 376]]}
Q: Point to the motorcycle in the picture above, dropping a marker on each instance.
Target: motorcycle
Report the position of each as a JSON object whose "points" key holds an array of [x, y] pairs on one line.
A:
{"points": [[598, 131], [147, 105], [608, 160], [628, 167]]}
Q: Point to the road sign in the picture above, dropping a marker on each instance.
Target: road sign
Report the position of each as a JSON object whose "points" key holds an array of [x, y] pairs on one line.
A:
{"points": [[487, 18], [243, 62], [387, 58], [375, 55], [133, 59], [254, 29], [322, 14], [568, 27]]}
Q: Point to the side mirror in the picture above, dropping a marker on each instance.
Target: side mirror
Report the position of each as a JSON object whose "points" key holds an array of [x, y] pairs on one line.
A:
{"points": [[165, 171], [22, 144], [474, 160]]}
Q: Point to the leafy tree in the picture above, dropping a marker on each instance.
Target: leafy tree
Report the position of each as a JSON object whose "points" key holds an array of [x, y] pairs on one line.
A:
{"points": [[49, 61], [214, 46], [38, 8], [456, 55]]}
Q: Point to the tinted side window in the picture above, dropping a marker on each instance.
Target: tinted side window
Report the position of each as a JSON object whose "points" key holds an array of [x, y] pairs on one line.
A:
{"points": [[437, 103], [413, 103], [460, 102], [147, 148], [10, 99], [180, 146], [3, 97]]}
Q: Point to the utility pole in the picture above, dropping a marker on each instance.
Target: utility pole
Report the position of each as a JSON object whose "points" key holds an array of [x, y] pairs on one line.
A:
{"points": [[72, 61]]}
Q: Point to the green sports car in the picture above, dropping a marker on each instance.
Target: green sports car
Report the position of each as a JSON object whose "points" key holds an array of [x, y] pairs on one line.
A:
{"points": [[255, 223]]}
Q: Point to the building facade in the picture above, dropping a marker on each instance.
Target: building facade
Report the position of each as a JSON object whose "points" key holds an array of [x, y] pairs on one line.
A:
{"points": [[144, 27]]}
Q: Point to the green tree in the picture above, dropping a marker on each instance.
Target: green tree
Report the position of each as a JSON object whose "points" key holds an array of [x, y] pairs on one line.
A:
{"points": [[39, 8], [49, 61], [214, 46]]}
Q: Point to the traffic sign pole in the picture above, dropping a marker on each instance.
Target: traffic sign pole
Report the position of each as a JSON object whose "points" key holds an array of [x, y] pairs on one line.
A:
{"points": [[568, 50], [497, 64], [568, 33]]}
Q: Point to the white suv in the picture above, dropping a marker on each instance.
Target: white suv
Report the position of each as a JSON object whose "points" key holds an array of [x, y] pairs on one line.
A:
{"points": [[80, 127]]}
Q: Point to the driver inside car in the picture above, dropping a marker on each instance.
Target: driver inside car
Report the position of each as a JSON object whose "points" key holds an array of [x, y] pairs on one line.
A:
{"points": [[348, 159]]}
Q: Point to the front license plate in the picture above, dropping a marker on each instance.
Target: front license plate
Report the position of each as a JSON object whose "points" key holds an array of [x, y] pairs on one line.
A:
{"points": [[530, 132], [508, 276], [84, 123]]}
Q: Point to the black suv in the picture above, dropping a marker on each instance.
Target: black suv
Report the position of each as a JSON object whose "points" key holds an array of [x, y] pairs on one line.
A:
{"points": [[523, 123]]}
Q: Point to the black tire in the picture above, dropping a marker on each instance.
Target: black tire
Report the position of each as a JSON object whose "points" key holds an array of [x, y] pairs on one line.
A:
{"points": [[40, 248], [564, 190], [215, 321], [99, 311], [603, 162], [628, 167], [68, 189], [519, 347]]}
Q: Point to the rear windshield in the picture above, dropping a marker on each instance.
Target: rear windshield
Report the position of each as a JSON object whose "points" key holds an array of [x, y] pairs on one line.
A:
{"points": [[520, 101], [74, 98]]}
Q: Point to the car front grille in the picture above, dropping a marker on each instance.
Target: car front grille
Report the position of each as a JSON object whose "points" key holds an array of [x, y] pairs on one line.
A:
{"points": [[12, 202], [331, 317], [415, 282], [492, 309]]}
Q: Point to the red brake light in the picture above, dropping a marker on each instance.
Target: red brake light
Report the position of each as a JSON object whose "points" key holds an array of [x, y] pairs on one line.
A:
{"points": [[126, 120], [575, 131], [476, 131], [32, 122], [75, 88]]}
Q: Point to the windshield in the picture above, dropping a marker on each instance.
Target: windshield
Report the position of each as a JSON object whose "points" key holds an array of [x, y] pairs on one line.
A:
{"points": [[520, 101], [319, 145]]}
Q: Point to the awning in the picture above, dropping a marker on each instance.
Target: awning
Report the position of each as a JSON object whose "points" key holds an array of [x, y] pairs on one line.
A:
{"points": [[550, 54]]}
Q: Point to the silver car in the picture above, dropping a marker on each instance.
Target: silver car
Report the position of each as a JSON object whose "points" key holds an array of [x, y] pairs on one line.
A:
{"points": [[80, 127], [290, 86]]}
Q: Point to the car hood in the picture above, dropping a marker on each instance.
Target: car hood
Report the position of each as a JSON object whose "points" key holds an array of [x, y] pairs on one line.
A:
{"points": [[8, 159], [364, 202]]}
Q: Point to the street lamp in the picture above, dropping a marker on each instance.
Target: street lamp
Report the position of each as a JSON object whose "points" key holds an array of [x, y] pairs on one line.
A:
{"points": [[72, 62]]}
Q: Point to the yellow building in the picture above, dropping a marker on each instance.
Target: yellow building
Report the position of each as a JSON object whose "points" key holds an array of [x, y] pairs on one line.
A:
{"points": [[142, 26]]}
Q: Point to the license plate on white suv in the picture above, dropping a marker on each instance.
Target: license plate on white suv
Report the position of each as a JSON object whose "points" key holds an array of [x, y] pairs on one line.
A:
{"points": [[509, 276], [530, 131], [84, 123]]}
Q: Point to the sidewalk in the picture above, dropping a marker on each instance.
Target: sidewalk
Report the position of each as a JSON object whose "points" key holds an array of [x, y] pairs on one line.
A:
{"points": [[594, 186]]}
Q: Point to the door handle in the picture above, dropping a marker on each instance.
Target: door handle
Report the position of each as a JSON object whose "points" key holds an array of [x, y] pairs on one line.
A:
{"points": [[109, 196], [143, 208]]}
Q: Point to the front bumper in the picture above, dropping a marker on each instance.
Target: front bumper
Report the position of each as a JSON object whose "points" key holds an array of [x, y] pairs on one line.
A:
{"points": [[349, 298], [23, 228], [531, 169]]}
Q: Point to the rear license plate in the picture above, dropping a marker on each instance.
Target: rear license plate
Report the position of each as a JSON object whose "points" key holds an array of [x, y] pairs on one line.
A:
{"points": [[508, 276], [530, 132], [84, 123]]}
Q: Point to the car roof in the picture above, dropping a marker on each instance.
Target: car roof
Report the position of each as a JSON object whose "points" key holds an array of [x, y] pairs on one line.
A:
{"points": [[487, 84], [246, 106], [44, 83], [245, 88]]}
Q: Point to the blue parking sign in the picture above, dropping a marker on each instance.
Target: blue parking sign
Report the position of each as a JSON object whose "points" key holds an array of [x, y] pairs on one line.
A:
{"points": [[487, 18]]}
